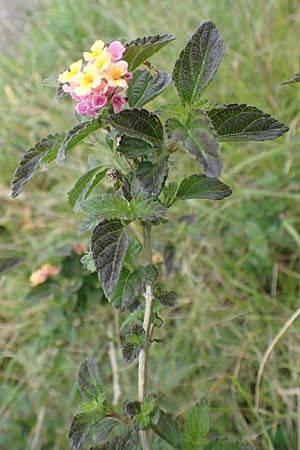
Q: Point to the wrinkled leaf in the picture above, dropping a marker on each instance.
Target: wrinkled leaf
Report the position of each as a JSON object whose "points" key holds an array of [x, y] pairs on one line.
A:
{"points": [[240, 122], [139, 123], [31, 160], [140, 49], [89, 379], [149, 410], [77, 135], [133, 250], [166, 298], [109, 242], [135, 340], [199, 138], [200, 186], [196, 425], [145, 86], [198, 62], [167, 428], [134, 147], [152, 176], [82, 187]]}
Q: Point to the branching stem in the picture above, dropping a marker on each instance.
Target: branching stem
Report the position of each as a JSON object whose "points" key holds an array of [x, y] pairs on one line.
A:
{"points": [[144, 353]]}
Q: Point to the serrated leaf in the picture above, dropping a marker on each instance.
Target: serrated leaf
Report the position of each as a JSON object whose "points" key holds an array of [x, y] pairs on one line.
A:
{"points": [[198, 62], [31, 160], [200, 186], [196, 426], [294, 79], [135, 340], [109, 242], [10, 263], [102, 430], [198, 136], [77, 135], [91, 428], [131, 408], [133, 250], [226, 444], [139, 123], [166, 298], [145, 86], [152, 176], [169, 193], [133, 147], [166, 427], [82, 187], [240, 122], [89, 380], [111, 206], [131, 285], [149, 410], [140, 49]]}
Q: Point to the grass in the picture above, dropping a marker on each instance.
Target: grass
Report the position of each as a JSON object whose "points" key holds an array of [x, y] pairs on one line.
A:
{"points": [[236, 268]]}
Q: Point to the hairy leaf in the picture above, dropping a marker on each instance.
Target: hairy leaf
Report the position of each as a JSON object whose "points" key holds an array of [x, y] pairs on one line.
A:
{"points": [[240, 122], [199, 138], [31, 160], [169, 193], [133, 250], [167, 428], [139, 123], [135, 340], [134, 147], [109, 242], [196, 425], [102, 430], [89, 380], [152, 176], [166, 298], [200, 186], [145, 86], [198, 62], [140, 49], [225, 444], [77, 135], [149, 410], [83, 185], [10, 263]]}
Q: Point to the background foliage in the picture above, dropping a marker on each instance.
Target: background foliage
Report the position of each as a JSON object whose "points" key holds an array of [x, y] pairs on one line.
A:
{"points": [[236, 264]]}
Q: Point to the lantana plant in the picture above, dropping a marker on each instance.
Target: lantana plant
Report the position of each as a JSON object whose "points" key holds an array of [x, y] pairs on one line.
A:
{"points": [[111, 85]]}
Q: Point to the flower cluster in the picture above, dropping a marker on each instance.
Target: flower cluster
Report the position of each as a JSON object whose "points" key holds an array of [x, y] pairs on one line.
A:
{"points": [[42, 274], [99, 80]]}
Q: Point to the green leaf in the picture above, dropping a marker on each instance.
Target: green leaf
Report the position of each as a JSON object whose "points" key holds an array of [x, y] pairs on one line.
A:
{"points": [[240, 122], [88, 262], [133, 250], [109, 242], [167, 428], [89, 380], [31, 160], [131, 409], [133, 147], [135, 340], [131, 285], [140, 49], [128, 440], [196, 426], [145, 86], [83, 185], [152, 176], [200, 186], [199, 138], [111, 206], [169, 193], [139, 123], [225, 444], [294, 79], [77, 135], [148, 411], [198, 62], [102, 430], [166, 298], [10, 263]]}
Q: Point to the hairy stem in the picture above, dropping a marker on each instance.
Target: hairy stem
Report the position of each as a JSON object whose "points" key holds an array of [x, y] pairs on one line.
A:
{"points": [[144, 353]]}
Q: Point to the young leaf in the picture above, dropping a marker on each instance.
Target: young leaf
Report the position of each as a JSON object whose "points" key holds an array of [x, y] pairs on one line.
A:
{"points": [[89, 380], [82, 187], [134, 147], [198, 62], [10, 263], [199, 138], [148, 411], [236, 122], [139, 123], [226, 444], [196, 425], [109, 242], [200, 186], [140, 49], [167, 428], [145, 86], [135, 340], [77, 135], [32, 158], [169, 193]]}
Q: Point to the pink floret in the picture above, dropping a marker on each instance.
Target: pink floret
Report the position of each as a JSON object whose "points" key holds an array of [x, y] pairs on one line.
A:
{"points": [[118, 102], [116, 49]]}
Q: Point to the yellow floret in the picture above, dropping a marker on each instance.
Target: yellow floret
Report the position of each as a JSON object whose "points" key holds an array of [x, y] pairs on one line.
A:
{"points": [[73, 70], [102, 62], [89, 79], [114, 73], [96, 50]]}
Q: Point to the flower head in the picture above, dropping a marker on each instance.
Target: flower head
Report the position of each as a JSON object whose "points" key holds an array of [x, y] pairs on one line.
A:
{"points": [[96, 50]]}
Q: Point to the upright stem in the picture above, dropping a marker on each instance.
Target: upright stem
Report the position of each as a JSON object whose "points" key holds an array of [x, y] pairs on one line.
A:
{"points": [[143, 356]]}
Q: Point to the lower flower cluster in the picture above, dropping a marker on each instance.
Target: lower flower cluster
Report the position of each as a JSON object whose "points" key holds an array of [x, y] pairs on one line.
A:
{"points": [[101, 79]]}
